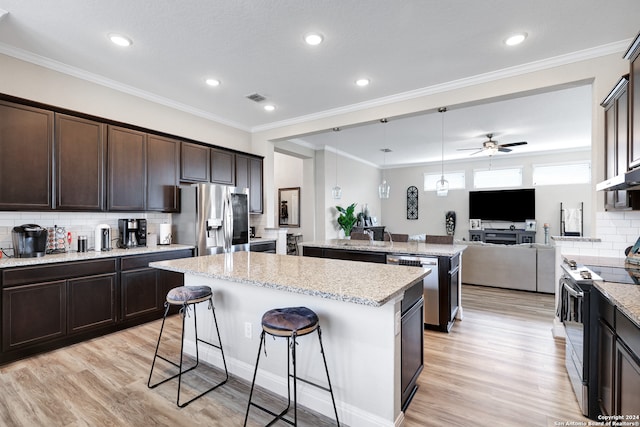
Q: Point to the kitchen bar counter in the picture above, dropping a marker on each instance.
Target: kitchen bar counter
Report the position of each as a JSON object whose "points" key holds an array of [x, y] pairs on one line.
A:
{"points": [[6, 262], [360, 311], [408, 248]]}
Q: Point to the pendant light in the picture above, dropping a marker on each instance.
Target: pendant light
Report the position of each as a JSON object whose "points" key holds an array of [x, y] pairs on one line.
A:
{"points": [[442, 186], [384, 188], [336, 191]]}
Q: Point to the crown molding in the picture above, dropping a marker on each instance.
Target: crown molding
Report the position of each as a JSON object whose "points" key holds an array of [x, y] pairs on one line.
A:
{"points": [[112, 84], [582, 55]]}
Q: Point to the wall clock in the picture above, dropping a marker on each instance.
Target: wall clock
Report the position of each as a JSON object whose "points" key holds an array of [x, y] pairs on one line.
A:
{"points": [[412, 202]]}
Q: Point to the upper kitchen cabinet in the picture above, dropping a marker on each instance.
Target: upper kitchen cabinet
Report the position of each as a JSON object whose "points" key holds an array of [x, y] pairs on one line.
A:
{"points": [[616, 140], [249, 175], [633, 55], [194, 162], [223, 167], [163, 171], [26, 134], [80, 147], [127, 169]]}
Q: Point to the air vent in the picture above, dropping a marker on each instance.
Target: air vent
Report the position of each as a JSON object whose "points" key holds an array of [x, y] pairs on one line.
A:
{"points": [[256, 97]]}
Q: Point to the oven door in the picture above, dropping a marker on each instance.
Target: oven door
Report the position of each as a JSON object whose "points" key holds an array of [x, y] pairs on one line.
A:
{"points": [[572, 314]]}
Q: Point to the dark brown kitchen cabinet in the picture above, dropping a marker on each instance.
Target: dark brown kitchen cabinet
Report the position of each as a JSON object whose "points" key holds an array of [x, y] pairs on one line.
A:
{"points": [[249, 175], [194, 162], [144, 288], [33, 314], [80, 147], [127, 169], [633, 55], [616, 124], [91, 302], [26, 136], [223, 167], [163, 171]]}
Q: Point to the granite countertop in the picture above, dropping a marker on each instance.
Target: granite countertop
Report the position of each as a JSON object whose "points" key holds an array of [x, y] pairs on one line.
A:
{"points": [[262, 239], [356, 282], [81, 256], [624, 296], [405, 248]]}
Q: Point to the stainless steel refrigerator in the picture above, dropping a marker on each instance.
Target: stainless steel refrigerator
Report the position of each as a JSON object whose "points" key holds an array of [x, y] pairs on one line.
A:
{"points": [[213, 218]]}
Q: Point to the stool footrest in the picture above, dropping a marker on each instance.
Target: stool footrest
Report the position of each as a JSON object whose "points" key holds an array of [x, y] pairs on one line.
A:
{"points": [[320, 386], [279, 416]]}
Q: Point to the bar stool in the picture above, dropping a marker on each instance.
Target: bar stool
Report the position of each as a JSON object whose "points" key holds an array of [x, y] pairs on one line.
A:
{"points": [[188, 297], [291, 322]]}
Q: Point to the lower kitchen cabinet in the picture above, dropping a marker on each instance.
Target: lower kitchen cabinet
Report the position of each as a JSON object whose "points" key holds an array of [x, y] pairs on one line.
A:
{"points": [[350, 255], [618, 361], [49, 306]]}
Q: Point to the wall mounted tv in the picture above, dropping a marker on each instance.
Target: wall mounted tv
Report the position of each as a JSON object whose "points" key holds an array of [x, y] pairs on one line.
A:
{"points": [[503, 205]]}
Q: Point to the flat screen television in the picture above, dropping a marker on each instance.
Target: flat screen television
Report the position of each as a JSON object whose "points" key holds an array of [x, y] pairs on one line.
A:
{"points": [[503, 205]]}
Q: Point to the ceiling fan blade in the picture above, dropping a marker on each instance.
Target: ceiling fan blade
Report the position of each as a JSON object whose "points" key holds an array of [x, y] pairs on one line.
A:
{"points": [[465, 149], [513, 144], [479, 151], [504, 150]]}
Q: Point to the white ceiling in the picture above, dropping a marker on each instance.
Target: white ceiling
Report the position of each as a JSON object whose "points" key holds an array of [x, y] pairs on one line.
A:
{"points": [[256, 46]]}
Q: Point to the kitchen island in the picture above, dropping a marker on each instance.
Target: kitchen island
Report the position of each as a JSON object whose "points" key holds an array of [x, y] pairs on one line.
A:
{"points": [[442, 290], [360, 307]]}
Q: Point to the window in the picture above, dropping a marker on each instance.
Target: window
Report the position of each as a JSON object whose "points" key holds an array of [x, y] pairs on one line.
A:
{"points": [[456, 180], [573, 173], [495, 178]]}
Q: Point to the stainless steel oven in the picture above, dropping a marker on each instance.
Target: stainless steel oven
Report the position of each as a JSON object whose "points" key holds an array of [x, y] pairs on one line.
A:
{"points": [[574, 309]]}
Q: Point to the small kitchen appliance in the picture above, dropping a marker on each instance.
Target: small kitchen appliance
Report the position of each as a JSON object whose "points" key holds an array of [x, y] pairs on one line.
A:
{"points": [[133, 233], [102, 238], [29, 241]]}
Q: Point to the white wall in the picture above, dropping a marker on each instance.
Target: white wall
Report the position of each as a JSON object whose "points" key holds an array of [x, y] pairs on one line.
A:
{"points": [[432, 209]]}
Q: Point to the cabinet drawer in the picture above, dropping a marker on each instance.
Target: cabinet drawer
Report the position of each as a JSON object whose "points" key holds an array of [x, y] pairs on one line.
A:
{"points": [[628, 332], [455, 261], [263, 247], [142, 261], [64, 270]]}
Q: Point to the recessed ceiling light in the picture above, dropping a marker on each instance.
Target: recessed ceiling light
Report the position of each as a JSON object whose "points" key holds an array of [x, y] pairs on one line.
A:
{"points": [[515, 39], [120, 40], [363, 82], [269, 107], [313, 39], [213, 82]]}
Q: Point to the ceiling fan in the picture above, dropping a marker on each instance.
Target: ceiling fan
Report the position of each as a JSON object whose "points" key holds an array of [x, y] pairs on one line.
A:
{"points": [[493, 147]]}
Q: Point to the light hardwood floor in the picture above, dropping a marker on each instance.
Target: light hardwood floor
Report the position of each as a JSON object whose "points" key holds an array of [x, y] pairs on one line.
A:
{"points": [[500, 366]]}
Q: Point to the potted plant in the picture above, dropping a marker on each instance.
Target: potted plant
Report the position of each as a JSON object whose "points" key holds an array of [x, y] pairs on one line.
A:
{"points": [[347, 218]]}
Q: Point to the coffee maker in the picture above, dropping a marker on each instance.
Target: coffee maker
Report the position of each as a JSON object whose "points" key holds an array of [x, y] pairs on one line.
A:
{"points": [[133, 233], [29, 241]]}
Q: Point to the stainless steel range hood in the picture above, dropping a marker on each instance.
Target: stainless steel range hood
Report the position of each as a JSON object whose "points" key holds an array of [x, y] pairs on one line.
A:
{"points": [[625, 181]]}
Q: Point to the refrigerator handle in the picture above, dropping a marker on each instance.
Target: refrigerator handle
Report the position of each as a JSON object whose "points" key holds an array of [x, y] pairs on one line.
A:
{"points": [[228, 223]]}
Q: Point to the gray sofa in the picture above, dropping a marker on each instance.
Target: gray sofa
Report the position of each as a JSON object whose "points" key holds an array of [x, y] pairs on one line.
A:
{"points": [[528, 267]]}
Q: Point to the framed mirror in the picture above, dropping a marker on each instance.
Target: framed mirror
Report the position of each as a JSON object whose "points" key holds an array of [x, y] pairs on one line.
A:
{"points": [[289, 207]]}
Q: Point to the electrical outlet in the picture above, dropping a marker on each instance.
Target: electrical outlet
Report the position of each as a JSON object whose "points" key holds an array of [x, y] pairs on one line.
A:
{"points": [[247, 330]]}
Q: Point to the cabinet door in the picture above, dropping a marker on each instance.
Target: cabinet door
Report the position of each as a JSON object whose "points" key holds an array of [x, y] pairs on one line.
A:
{"points": [[162, 174], [454, 274], [194, 162], [606, 351], [91, 302], [223, 167], [255, 185], [32, 314], [26, 137], [249, 175], [634, 108], [79, 159], [127, 169], [168, 280], [627, 380], [139, 293]]}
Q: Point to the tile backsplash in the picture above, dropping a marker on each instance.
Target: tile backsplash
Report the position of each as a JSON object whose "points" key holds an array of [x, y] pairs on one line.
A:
{"points": [[615, 230], [78, 223]]}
